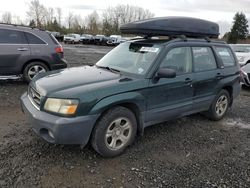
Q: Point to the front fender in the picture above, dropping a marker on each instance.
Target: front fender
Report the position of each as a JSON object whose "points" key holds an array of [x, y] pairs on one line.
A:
{"points": [[135, 98]]}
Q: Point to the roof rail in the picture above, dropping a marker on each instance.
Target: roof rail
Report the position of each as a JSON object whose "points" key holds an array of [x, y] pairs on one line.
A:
{"points": [[18, 25]]}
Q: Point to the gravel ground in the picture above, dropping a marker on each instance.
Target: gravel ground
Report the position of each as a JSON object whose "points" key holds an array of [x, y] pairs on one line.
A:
{"points": [[188, 152]]}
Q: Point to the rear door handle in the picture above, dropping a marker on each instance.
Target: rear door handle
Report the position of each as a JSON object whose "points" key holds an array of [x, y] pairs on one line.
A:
{"points": [[188, 80], [219, 76], [22, 49]]}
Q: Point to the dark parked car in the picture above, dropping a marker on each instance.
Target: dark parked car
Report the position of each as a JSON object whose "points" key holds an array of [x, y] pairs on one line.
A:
{"points": [[28, 51], [87, 39], [139, 83], [100, 40]]}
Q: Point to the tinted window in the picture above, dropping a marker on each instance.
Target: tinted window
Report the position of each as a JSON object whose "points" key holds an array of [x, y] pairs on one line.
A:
{"points": [[226, 56], [203, 59], [179, 59], [8, 36], [32, 39], [53, 39]]}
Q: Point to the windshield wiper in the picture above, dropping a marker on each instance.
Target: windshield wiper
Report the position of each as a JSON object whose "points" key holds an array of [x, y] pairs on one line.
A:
{"points": [[240, 51], [108, 68]]}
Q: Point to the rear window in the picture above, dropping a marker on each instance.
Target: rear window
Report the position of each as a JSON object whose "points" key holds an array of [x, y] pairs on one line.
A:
{"points": [[8, 36], [32, 39], [226, 56], [53, 39]]}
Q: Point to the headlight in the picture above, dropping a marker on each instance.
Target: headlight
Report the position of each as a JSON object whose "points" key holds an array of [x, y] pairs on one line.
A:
{"points": [[241, 59], [61, 106]]}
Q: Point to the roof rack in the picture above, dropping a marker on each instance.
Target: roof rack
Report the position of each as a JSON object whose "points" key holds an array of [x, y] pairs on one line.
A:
{"points": [[18, 25], [182, 37]]}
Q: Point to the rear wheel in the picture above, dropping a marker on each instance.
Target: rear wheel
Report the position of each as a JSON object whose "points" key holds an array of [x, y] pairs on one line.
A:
{"points": [[114, 132], [219, 106], [32, 69]]}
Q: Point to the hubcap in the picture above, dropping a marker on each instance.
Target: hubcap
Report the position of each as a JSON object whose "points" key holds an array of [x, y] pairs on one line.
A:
{"points": [[221, 105], [118, 133], [34, 70]]}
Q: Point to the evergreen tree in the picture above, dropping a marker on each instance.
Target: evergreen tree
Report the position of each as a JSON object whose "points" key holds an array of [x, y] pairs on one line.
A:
{"points": [[239, 31], [32, 23]]}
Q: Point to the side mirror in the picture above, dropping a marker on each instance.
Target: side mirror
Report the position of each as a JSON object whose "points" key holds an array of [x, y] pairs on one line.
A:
{"points": [[166, 73]]}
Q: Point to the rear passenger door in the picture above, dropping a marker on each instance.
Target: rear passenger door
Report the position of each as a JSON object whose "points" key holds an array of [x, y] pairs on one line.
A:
{"points": [[14, 51], [206, 76], [37, 45]]}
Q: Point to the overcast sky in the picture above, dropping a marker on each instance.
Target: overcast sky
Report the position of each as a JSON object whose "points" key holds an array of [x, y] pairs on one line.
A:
{"points": [[221, 11]]}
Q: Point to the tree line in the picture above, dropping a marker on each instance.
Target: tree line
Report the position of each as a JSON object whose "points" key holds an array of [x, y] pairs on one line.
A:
{"points": [[52, 19]]}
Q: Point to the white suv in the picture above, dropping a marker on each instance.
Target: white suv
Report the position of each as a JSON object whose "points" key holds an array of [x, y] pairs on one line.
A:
{"points": [[242, 52]]}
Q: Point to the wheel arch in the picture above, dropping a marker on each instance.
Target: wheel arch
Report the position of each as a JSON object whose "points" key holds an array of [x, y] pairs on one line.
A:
{"points": [[133, 107], [36, 60], [229, 89]]}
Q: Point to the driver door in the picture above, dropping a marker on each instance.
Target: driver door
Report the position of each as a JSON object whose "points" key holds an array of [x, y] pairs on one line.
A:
{"points": [[172, 97]]}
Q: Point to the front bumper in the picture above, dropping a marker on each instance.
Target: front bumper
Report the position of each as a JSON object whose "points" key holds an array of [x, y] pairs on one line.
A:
{"points": [[58, 130]]}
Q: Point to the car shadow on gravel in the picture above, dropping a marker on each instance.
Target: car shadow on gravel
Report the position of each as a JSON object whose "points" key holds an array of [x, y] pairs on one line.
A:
{"points": [[12, 82]]}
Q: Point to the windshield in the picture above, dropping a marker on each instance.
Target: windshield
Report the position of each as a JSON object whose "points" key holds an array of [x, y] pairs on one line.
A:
{"points": [[244, 49], [135, 58]]}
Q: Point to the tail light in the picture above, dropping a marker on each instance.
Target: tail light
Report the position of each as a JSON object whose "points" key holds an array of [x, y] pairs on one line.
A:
{"points": [[59, 49]]}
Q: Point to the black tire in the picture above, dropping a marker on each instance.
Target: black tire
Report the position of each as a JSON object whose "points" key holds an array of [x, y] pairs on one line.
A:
{"points": [[213, 112], [107, 124], [26, 72]]}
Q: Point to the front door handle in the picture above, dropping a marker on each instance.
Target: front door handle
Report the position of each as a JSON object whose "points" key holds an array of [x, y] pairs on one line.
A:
{"points": [[22, 49], [189, 81]]}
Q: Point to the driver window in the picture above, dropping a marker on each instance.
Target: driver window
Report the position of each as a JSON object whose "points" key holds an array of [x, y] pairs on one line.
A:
{"points": [[179, 59]]}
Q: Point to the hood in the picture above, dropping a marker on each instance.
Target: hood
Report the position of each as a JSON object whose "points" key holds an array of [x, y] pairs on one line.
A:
{"points": [[50, 82], [242, 54]]}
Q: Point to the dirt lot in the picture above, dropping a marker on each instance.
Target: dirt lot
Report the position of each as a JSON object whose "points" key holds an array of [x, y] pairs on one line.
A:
{"points": [[188, 152]]}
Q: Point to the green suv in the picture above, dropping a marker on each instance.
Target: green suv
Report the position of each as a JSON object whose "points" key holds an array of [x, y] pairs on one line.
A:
{"points": [[139, 83]]}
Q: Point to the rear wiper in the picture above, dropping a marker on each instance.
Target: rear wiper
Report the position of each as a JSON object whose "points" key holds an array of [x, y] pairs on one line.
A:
{"points": [[108, 68]]}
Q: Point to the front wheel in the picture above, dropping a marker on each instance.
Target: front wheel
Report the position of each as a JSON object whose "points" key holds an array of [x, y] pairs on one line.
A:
{"points": [[219, 106], [115, 130], [32, 69]]}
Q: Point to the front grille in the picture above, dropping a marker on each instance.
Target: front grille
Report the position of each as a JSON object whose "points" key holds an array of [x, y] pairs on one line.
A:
{"points": [[34, 97]]}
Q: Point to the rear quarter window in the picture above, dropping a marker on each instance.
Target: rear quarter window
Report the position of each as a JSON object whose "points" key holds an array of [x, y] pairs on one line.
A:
{"points": [[226, 56], [32, 39], [55, 41]]}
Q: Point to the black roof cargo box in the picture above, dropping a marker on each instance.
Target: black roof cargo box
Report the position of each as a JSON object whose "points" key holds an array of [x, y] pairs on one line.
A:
{"points": [[172, 26]]}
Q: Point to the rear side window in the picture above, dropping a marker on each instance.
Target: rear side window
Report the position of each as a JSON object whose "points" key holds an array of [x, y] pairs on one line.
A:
{"points": [[203, 59], [8, 36], [32, 39], [226, 56]]}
